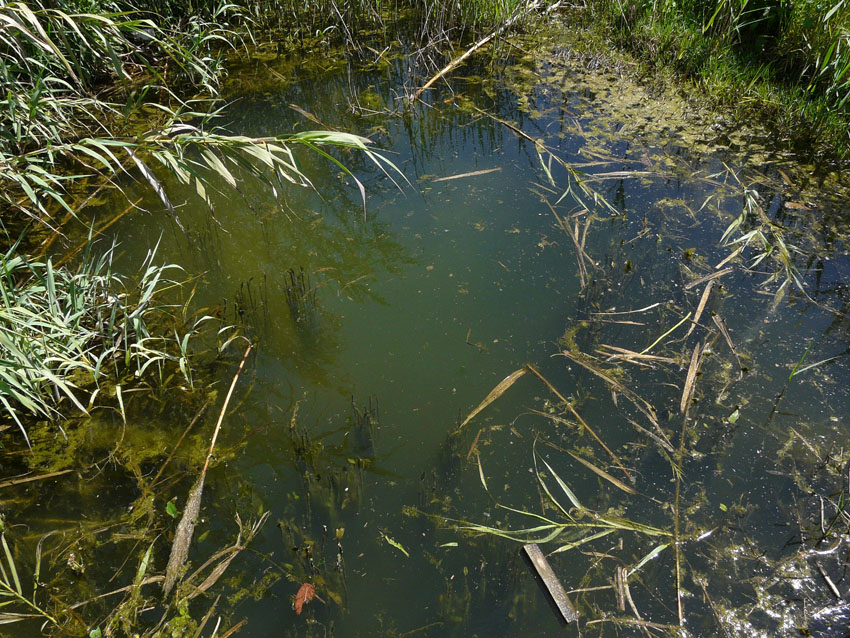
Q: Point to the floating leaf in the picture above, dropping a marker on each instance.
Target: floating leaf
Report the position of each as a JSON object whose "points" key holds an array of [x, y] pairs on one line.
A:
{"points": [[171, 509], [481, 473], [643, 561], [395, 544], [143, 567], [305, 595]]}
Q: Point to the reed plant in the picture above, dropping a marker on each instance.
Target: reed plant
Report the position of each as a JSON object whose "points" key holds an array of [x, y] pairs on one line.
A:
{"points": [[791, 59], [63, 332], [83, 89], [93, 90]]}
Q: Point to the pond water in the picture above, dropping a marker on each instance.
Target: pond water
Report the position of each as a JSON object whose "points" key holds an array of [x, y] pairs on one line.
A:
{"points": [[416, 308]]}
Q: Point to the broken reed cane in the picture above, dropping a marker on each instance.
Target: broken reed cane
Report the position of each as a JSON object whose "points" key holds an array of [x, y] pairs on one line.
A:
{"points": [[531, 6], [186, 527]]}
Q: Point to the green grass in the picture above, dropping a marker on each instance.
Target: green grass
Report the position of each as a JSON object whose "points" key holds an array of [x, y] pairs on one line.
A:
{"points": [[787, 62]]}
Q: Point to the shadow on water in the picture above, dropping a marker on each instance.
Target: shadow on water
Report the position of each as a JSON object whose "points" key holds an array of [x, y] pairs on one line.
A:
{"points": [[716, 389]]}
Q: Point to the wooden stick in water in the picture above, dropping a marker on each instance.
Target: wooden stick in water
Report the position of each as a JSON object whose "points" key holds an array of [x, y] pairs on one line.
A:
{"points": [[556, 590]]}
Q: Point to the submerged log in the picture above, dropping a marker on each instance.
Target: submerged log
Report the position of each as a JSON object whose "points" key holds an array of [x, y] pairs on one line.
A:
{"points": [[556, 590]]}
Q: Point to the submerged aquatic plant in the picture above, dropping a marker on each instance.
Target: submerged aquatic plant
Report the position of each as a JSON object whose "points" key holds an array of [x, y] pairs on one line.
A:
{"points": [[67, 72], [12, 591], [753, 228], [589, 524]]}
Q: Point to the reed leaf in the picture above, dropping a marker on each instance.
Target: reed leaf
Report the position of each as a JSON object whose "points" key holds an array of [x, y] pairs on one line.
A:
{"points": [[602, 473], [60, 324], [494, 394], [570, 494], [11, 589]]}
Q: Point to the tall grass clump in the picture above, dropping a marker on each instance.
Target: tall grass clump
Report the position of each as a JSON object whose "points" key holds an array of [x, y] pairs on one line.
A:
{"points": [[99, 94], [64, 331], [792, 57], [360, 23]]}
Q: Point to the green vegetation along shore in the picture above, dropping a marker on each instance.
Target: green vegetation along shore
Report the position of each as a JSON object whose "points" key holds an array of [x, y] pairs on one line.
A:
{"points": [[92, 92], [789, 62]]}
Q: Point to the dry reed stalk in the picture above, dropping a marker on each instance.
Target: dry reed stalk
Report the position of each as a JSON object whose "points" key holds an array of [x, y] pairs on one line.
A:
{"points": [[618, 587], [186, 527], [28, 479], [629, 599], [234, 629], [206, 619], [714, 275], [703, 300], [587, 222], [730, 257], [663, 442], [484, 171], [451, 65], [627, 312], [721, 325], [680, 455], [621, 322], [224, 557], [828, 581], [717, 616], [680, 611], [121, 590], [688, 390], [474, 443], [640, 403], [577, 239], [615, 352], [603, 474], [590, 431]]}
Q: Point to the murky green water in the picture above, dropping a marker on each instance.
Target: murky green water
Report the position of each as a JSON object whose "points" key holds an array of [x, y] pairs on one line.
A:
{"points": [[431, 298]]}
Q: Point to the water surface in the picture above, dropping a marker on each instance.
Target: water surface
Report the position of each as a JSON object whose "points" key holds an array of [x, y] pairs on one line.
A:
{"points": [[427, 299]]}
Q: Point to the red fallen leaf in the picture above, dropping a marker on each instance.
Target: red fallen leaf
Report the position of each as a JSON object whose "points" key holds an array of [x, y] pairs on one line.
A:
{"points": [[305, 595]]}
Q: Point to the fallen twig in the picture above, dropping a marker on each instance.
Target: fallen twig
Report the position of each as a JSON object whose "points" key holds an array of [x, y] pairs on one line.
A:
{"points": [[186, 526]]}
